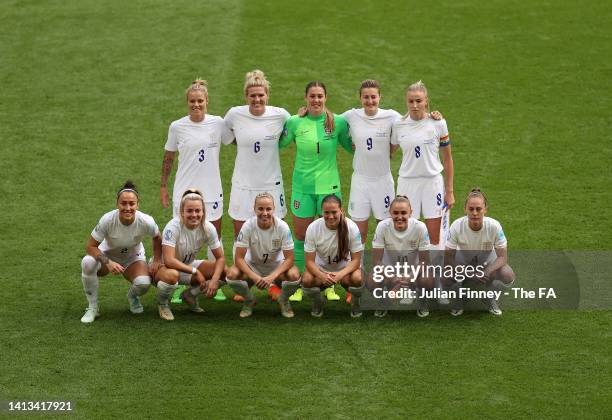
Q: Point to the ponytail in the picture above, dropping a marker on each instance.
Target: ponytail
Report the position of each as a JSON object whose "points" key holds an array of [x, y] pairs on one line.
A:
{"points": [[343, 239]]}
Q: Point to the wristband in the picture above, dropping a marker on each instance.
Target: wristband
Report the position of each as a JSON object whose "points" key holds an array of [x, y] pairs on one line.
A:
{"points": [[193, 270]]}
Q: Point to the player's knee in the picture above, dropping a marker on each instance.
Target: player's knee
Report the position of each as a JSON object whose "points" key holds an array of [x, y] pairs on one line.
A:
{"points": [[308, 280], [506, 274], [356, 278], [141, 284], [293, 274], [234, 273], [167, 275], [89, 265]]}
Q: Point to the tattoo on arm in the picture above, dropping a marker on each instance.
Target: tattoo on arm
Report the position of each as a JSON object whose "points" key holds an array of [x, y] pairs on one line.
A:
{"points": [[166, 167], [103, 259]]}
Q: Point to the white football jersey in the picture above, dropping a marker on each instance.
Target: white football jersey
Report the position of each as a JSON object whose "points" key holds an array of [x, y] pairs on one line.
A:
{"points": [[257, 163], [324, 242], [476, 247], [188, 242], [119, 241], [401, 246], [372, 137], [265, 246], [198, 144], [420, 143]]}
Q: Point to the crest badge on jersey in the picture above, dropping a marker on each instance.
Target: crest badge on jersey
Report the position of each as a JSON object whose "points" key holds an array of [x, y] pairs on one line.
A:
{"points": [[276, 243], [296, 204]]}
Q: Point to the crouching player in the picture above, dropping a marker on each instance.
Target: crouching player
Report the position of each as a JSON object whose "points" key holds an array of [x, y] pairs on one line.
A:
{"points": [[402, 242], [478, 241], [333, 252], [115, 246], [264, 257], [183, 238]]}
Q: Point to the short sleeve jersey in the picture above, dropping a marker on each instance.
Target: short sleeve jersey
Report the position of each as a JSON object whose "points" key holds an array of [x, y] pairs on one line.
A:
{"points": [[315, 170], [265, 246], [257, 142], [420, 143], [118, 240], [372, 137], [187, 243], [198, 144], [476, 246], [324, 242], [401, 246]]}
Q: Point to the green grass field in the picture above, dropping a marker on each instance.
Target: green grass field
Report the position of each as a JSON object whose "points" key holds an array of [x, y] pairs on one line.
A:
{"points": [[88, 91]]}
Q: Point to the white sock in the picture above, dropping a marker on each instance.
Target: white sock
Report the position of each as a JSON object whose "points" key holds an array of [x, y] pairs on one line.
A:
{"points": [[241, 287], [314, 293], [195, 290], [89, 270], [139, 286], [164, 291]]}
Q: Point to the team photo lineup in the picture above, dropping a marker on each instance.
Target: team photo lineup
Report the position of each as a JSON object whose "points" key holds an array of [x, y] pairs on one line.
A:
{"points": [[263, 209], [321, 252]]}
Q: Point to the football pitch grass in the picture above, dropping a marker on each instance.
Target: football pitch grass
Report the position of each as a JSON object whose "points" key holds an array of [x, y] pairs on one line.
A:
{"points": [[88, 91]]}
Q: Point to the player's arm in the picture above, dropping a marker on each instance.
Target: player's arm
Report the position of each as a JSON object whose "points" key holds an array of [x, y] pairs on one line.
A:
{"points": [[352, 265], [157, 254], [165, 172], [215, 281], [312, 266], [244, 267], [424, 262], [344, 136], [500, 261], [377, 256], [449, 171], [170, 260], [282, 267], [288, 135], [92, 249]]}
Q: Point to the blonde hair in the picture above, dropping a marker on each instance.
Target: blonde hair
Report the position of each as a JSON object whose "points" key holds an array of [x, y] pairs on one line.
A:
{"points": [[192, 194], [256, 78], [417, 87], [199, 85], [268, 196], [263, 195]]}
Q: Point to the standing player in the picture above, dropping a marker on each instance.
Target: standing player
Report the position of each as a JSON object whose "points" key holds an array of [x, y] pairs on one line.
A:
{"points": [[402, 239], [372, 185], [315, 175], [422, 140], [115, 246], [264, 257], [478, 240], [257, 128], [333, 251], [198, 138], [183, 238]]}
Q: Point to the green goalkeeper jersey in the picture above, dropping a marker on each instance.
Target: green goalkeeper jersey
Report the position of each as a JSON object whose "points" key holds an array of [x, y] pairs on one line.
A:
{"points": [[316, 170]]}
